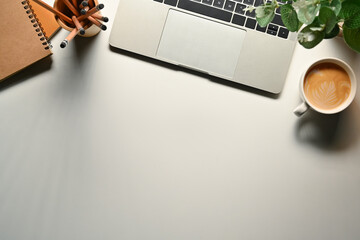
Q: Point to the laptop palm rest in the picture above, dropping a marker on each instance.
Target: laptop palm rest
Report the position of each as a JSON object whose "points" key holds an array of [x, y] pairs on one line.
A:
{"points": [[201, 44]]}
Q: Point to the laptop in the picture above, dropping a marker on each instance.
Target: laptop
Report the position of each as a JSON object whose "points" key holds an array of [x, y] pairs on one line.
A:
{"points": [[216, 37]]}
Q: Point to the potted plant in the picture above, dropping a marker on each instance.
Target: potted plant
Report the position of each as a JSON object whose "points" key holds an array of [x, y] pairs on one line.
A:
{"points": [[315, 20]]}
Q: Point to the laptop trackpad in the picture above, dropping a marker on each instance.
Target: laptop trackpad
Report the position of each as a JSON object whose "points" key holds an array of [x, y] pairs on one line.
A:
{"points": [[201, 44]]}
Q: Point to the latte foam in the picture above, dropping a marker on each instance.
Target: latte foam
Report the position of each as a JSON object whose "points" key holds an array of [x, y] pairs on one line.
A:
{"points": [[327, 86]]}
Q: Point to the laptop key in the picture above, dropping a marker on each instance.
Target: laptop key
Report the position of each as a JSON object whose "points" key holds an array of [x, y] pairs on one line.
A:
{"points": [[205, 10], [251, 14], [260, 29], [240, 8], [250, 23], [277, 20], [158, 1], [258, 3], [283, 33], [171, 2], [273, 27], [238, 20], [207, 2], [229, 5], [248, 2], [271, 32], [219, 3]]}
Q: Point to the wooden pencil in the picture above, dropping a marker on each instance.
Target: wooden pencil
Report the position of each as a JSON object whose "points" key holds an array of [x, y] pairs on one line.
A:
{"points": [[100, 17], [84, 3], [91, 11], [78, 25], [74, 3], [91, 3], [55, 11], [97, 23], [66, 41], [84, 10], [71, 36], [71, 7]]}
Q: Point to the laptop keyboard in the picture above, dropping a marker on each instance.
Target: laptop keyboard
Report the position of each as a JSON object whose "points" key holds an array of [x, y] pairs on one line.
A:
{"points": [[231, 11]]}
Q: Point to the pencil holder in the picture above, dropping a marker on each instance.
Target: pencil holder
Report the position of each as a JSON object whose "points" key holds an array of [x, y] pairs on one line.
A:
{"points": [[90, 29]]}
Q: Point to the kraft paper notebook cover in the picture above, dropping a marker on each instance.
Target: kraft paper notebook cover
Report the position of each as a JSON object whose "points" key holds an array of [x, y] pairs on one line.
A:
{"points": [[21, 40], [46, 19]]}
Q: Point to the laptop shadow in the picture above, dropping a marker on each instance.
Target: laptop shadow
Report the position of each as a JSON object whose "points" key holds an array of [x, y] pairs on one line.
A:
{"points": [[24, 74], [200, 74]]}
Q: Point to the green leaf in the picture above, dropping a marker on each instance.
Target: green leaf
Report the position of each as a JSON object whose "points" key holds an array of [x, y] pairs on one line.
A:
{"points": [[353, 22], [335, 31], [300, 25], [350, 13], [308, 37], [308, 12], [289, 17], [328, 18], [335, 5], [265, 14], [349, 9], [352, 38]]}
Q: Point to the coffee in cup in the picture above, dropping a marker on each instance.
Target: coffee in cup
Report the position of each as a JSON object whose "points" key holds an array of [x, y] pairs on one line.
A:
{"points": [[328, 86]]}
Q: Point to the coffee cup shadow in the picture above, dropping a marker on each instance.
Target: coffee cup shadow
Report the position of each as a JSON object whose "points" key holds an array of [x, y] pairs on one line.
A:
{"points": [[334, 132]]}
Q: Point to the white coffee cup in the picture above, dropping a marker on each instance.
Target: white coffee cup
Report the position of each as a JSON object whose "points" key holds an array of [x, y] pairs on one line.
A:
{"points": [[306, 104]]}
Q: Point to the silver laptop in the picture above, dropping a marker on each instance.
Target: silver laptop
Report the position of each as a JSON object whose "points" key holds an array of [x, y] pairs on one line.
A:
{"points": [[215, 37]]}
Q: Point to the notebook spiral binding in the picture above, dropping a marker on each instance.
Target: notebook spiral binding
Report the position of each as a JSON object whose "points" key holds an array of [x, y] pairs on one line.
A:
{"points": [[36, 24]]}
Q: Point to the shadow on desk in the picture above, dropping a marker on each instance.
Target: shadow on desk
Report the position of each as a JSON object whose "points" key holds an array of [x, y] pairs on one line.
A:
{"points": [[336, 132], [26, 73], [82, 45], [203, 75]]}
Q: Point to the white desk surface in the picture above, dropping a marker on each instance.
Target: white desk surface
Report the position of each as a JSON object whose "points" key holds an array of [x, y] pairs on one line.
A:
{"points": [[103, 144]]}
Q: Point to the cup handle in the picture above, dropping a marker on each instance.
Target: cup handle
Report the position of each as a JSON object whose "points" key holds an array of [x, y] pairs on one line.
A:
{"points": [[301, 109]]}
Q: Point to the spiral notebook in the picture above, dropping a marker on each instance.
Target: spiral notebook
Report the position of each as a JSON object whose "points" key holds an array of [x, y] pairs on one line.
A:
{"points": [[46, 18], [22, 41]]}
